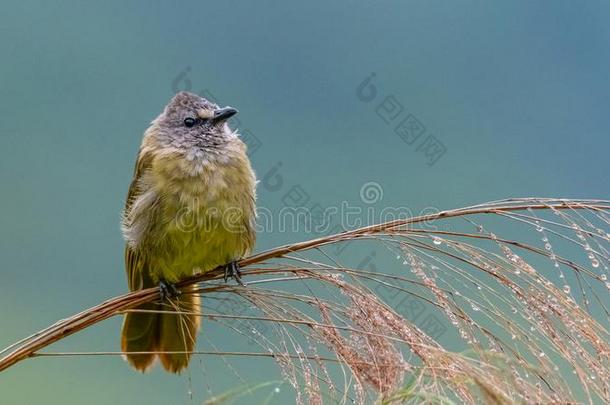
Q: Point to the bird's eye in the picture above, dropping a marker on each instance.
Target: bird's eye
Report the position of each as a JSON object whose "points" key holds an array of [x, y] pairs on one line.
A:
{"points": [[189, 122]]}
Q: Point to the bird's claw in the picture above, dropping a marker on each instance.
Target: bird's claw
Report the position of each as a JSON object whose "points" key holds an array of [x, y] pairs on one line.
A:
{"points": [[232, 271], [168, 290]]}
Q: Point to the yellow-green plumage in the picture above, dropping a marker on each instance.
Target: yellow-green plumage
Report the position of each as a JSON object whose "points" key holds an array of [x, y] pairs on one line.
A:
{"points": [[190, 209]]}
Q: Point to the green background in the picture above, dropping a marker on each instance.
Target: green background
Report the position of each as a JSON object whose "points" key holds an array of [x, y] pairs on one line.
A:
{"points": [[518, 93]]}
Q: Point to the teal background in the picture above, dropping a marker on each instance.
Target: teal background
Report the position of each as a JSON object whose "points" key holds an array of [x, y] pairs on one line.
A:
{"points": [[517, 92]]}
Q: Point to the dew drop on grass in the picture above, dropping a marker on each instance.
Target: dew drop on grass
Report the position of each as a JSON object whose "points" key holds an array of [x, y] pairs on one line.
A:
{"points": [[566, 289], [437, 241]]}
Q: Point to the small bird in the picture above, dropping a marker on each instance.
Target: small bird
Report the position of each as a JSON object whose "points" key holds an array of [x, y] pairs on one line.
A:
{"points": [[190, 208]]}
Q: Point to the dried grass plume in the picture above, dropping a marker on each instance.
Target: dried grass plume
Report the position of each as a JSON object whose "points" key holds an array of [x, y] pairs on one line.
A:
{"points": [[517, 289]]}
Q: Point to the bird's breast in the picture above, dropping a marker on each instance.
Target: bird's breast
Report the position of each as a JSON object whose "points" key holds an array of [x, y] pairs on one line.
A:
{"points": [[206, 210]]}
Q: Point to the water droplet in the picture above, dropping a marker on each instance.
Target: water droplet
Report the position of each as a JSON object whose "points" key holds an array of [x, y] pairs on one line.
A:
{"points": [[437, 241], [603, 277], [541, 354], [277, 390], [566, 289], [517, 271], [595, 263], [548, 246], [475, 308], [539, 228]]}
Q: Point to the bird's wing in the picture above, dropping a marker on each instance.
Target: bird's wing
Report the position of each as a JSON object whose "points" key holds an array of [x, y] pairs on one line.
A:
{"points": [[137, 276]]}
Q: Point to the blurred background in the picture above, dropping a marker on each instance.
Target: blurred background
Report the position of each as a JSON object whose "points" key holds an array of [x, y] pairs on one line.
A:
{"points": [[439, 104]]}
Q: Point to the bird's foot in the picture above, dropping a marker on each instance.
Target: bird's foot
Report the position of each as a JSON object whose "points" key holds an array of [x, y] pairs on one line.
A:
{"points": [[168, 290], [232, 271]]}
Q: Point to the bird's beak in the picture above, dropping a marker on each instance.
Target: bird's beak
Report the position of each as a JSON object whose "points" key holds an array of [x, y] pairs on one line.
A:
{"points": [[223, 114]]}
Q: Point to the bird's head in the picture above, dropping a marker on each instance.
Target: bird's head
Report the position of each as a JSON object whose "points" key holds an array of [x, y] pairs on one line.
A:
{"points": [[190, 120]]}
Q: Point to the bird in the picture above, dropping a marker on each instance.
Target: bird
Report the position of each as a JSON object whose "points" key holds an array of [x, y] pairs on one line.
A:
{"points": [[190, 208]]}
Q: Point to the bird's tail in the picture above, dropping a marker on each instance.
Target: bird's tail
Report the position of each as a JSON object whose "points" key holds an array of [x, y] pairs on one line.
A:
{"points": [[156, 333]]}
